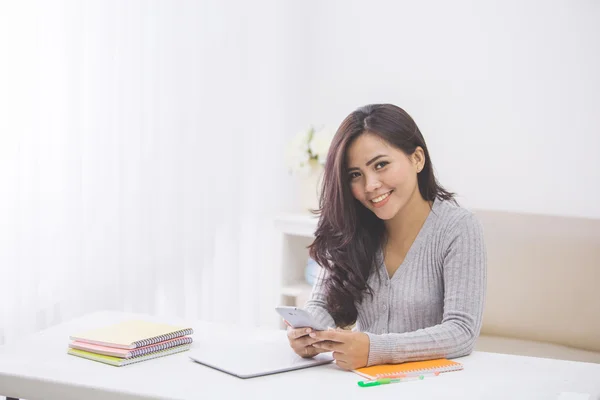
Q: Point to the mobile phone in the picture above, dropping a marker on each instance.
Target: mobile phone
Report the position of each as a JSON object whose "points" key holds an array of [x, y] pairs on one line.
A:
{"points": [[299, 318]]}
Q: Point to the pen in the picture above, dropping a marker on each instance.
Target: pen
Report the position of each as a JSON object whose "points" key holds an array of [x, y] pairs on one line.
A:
{"points": [[386, 381]]}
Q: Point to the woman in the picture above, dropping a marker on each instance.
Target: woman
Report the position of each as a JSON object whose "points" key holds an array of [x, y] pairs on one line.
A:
{"points": [[401, 259]]}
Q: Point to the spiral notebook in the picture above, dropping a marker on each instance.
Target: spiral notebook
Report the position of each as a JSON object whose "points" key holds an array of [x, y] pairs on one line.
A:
{"points": [[132, 334], [129, 353], [120, 362], [387, 370]]}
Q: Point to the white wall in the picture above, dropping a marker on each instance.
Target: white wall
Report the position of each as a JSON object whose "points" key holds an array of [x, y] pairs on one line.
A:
{"points": [[506, 93], [140, 162], [114, 117]]}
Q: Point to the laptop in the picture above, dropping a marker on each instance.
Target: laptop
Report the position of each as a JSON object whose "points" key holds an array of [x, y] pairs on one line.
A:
{"points": [[254, 355]]}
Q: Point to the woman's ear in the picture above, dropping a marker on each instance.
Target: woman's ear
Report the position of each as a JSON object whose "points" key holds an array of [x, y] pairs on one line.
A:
{"points": [[418, 158]]}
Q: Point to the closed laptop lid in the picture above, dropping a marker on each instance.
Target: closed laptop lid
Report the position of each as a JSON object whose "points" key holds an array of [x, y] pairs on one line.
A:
{"points": [[251, 355]]}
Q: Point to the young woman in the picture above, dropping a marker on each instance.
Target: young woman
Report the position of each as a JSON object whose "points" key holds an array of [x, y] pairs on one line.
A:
{"points": [[400, 258]]}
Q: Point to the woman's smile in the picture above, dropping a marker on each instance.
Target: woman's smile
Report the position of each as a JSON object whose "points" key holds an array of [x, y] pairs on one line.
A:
{"points": [[380, 201]]}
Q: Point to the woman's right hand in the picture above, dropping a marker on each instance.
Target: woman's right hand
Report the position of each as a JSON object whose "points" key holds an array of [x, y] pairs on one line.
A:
{"points": [[301, 343]]}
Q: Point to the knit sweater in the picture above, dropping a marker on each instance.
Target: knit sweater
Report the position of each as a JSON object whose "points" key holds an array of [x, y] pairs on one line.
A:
{"points": [[432, 306]]}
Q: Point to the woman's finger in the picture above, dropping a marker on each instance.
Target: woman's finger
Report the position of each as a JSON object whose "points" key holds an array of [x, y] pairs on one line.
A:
{"points": [[330, 346], [332, 335], [339, 357], [343, 365], [298, 333], [308, 351], [305, 341], [342, 360], [302, 342], [319, 351]]}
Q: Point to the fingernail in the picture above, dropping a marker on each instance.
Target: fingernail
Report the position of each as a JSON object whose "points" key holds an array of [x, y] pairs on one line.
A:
{"points": [[308, 330], [313, 335]]}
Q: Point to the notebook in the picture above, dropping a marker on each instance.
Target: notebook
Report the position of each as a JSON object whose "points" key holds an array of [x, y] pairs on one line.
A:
{"points": [[132, 334], [129, 353], [120, 362], [385, 370]]}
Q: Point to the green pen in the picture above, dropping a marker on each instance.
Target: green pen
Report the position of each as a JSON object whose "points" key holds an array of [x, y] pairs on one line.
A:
{"points": [[386, 381]]}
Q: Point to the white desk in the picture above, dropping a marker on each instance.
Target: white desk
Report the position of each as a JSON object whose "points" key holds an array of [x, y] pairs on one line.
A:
{"points": [[39, 368]]}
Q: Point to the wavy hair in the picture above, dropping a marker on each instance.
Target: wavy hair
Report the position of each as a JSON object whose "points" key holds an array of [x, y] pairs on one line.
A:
{"points": [[348, 235]]}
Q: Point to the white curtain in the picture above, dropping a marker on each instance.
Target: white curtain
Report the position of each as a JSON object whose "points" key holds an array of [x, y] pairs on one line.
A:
{"points": [[140, 159]]}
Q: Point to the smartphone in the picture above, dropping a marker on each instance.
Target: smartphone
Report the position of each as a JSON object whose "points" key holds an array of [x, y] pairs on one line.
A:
{"points": [[298, 318]]}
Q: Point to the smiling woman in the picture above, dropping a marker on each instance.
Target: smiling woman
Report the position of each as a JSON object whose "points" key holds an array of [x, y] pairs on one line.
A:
{"points": [[389, 175], [400, 258]]}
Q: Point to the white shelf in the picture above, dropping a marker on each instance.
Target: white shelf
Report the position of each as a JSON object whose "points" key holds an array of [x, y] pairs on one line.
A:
{"points": [[297, 224], [297, 289], [296, 234]]}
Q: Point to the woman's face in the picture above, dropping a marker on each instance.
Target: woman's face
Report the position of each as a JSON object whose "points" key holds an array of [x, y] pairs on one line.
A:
{"points": [[381, 176]]}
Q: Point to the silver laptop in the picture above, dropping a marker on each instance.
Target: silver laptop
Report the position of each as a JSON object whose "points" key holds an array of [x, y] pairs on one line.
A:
{"points": [[255, 355]]}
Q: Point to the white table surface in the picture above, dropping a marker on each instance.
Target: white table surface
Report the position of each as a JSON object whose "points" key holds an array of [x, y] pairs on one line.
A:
{"points": [[39, 368]]}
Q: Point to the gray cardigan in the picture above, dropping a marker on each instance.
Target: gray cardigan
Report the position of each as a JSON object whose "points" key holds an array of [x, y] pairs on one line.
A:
{"points": [[432, 306]]}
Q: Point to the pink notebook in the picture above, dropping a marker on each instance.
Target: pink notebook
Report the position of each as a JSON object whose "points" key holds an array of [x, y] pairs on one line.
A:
{"points": [[129, 353], [132, 334]]}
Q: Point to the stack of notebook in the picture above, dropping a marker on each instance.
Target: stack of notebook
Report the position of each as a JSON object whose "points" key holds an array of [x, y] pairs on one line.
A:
{"points": [[130, 342]]}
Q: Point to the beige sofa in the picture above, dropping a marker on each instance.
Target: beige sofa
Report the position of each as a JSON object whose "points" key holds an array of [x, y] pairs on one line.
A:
{"points": [[543, 289]]}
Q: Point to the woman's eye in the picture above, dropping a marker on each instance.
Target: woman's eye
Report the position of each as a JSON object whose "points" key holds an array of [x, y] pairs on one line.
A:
{"points": [[354, 175], [381, 164]]}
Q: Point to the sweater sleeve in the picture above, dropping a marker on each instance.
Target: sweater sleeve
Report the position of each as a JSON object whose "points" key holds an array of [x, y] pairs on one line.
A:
{"points": [[316, 305], [464, 274]]}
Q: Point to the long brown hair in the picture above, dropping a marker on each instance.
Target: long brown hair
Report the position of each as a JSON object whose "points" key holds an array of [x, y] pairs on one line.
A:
{"points": [[348, 235]]}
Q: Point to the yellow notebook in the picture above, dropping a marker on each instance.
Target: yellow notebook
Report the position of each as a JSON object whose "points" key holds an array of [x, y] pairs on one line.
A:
{"points": [[430, 366], [132, 334], [120, 362]]}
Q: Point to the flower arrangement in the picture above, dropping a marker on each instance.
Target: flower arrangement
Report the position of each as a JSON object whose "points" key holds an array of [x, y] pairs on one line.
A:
{"points": [[308, 149]]}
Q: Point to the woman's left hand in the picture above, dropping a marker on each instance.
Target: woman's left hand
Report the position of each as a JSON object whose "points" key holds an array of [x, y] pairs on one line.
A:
{"points": [[350, 349]]}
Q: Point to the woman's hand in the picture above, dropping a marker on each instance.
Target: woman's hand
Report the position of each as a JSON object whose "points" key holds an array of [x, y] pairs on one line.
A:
{"points": [[302, 343], [350, 349]]}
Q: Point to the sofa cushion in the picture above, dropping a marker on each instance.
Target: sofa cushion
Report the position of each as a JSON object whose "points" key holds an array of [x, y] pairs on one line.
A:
{"points": [[542, 284], [497, 344]]}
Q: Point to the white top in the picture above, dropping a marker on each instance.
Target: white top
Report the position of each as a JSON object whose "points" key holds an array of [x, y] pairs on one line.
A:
{"points": [[39, 367]]}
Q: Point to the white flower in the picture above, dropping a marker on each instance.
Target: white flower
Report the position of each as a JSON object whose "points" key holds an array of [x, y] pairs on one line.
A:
{"points": [[297, 154], [319, 145]]}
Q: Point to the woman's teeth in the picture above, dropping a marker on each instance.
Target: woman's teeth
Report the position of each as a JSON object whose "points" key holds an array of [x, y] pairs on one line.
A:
{"points": [[380, 198]]}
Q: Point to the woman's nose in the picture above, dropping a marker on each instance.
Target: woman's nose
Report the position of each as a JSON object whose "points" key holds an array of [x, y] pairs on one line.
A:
{"points": [[372, 185]]}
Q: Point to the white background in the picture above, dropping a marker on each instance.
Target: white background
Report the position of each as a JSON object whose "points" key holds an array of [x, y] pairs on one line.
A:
{"points": [[506, 93], [141, 142]]}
